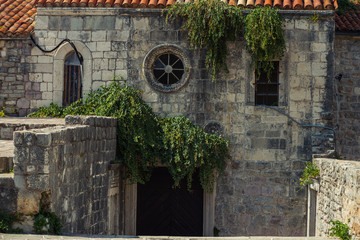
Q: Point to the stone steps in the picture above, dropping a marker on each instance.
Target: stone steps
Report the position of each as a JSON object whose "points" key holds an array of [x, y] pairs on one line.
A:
{"points": [[9, 125], [6, 155]]}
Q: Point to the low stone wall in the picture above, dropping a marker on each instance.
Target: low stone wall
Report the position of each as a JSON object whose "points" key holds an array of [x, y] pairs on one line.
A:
{"points": [[68, 167], [338, 197], [8, 193]]}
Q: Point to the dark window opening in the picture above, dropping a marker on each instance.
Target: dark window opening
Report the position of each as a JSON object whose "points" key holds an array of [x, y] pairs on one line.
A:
{"points": [[267, 88], [72, 79], [168, 69]]}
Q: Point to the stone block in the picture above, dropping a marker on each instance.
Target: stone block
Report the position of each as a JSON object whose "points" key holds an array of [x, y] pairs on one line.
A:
{"points": [[38, 182], [76, 23], [28, 202], [109, 22], [42, 23], [43, 139], [54, 23]]}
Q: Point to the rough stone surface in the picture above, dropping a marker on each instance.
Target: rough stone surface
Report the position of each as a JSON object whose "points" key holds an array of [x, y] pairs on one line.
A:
{"points": [[347, 107], [258, 193], [69, 163], [8, 193], [338, 197], [14, 75]]}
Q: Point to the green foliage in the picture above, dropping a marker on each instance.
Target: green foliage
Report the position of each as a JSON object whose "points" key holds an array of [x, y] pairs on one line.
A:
{"points": [[2, 114], [340, 230], [344, 6], [264, 38], [187, 147], [144, 140], [310, 172], [52, 111], [47, 223], [210, 23], [7, 220]]}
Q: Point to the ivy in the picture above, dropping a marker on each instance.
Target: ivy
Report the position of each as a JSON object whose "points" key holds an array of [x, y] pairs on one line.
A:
{"points": [[345, 6], [210, 23], [264, 38], [143, 139]]}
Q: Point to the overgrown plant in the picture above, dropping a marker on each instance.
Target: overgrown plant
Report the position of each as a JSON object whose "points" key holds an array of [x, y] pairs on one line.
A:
{"points": [[311, 171], [210, 23], [264, 37], [7, 220], [144, 140], [344, 6], [46, 222], [341, 230]]}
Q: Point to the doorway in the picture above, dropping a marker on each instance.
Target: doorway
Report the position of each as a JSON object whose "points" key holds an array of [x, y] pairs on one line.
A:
{"points": [[166, 211]]}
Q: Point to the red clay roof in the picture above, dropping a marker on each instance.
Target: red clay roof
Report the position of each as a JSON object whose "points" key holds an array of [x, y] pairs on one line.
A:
{"points": [[282, 4], [349, 21], [17, 17]]}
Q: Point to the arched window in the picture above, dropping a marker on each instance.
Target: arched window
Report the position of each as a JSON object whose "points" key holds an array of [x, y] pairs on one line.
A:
{"points": [[72, 79]]}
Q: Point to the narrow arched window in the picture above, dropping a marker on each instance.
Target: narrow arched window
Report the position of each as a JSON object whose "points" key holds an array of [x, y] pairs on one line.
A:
{"points": [[72, 79]]}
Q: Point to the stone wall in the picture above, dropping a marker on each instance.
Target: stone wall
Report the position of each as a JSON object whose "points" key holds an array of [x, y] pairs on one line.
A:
{"points": [[8, 193], [14, 77], [258, 193], [347, 109], [67, 166], [338, 197]]}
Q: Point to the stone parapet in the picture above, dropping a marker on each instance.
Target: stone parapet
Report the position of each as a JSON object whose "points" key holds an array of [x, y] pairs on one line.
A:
{"points": [[338, 196], [68, 165]]}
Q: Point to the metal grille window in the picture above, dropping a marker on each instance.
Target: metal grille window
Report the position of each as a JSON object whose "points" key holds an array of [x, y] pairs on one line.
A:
{"points": [[267, 89], [72, 79], [168, 69]]}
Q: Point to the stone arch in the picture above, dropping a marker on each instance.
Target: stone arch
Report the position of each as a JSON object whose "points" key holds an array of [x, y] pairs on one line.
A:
{"points": [[59, 60]]}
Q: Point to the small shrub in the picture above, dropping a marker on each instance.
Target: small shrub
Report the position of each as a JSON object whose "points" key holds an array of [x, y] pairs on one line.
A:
{"points": [[47, 223], [340, 230], [7, 220], [310, 172]]}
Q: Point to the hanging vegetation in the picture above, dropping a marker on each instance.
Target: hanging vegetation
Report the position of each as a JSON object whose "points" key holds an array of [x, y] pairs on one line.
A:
{"points": [[210, 23], [264, 38], [144, 140]]}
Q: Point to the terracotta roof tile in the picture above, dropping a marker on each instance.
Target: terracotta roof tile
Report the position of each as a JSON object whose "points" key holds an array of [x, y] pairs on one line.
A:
{"points": [[286, 4], [348, 21], [17, 17]]}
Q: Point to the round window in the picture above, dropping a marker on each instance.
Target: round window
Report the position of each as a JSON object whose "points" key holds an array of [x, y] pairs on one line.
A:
{"points": [[166, 68]]}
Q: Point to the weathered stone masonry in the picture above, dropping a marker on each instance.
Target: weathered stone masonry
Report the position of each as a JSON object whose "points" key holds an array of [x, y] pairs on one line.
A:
{"points": [[15, 89], [347, 108], [258, 194], [69, 164], [338, 197]]}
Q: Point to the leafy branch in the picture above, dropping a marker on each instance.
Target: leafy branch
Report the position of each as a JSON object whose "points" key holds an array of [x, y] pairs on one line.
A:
{"points": [[143, 139], [210, 23]]}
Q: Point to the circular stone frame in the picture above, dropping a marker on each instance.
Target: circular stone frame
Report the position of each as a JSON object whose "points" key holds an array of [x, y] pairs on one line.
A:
{"points": [[150, 59]]}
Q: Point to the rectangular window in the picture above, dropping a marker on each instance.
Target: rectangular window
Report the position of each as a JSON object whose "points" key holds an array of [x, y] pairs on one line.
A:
{"points": [[267, 89]]}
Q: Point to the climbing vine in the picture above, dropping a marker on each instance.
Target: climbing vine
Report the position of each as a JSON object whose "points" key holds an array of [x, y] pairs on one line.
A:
{"points": [[264, 38], [210, 23], [143, 139]]}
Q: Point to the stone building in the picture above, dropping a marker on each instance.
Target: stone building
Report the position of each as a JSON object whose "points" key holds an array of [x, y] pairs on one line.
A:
{"points": [[259, 193]]}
